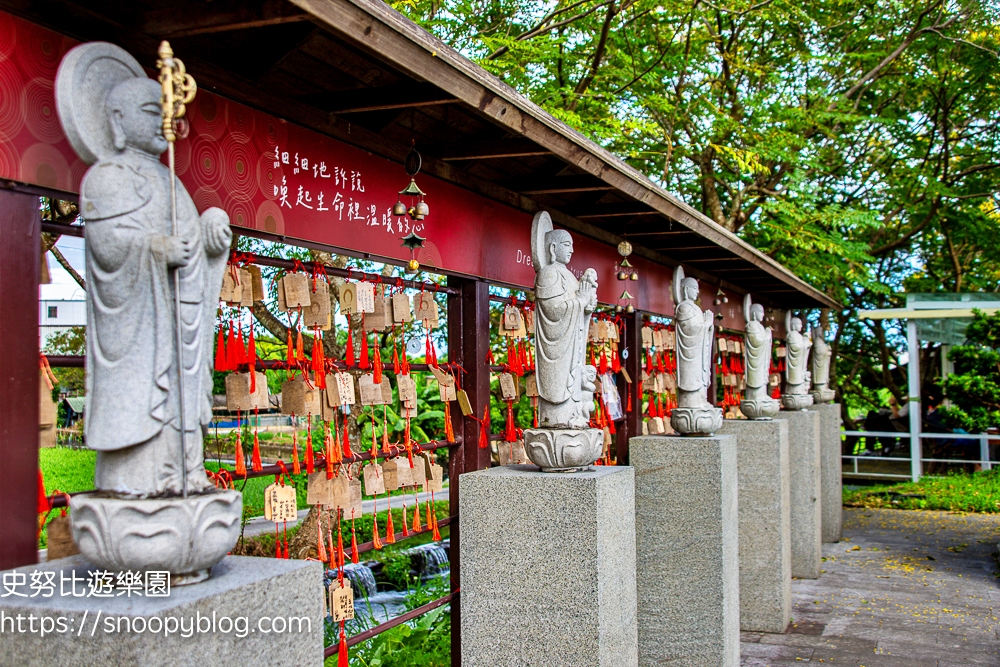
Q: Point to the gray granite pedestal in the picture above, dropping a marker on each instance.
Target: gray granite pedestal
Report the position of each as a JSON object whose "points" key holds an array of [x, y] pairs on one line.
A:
{"points": [[804, 464], [765, 524], [548, 568], [687, 556], [831, 480], [276, 605]]}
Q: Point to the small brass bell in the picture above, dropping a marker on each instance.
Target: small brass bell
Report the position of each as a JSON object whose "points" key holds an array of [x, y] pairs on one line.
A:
{"points": [[622, 275], [399, 208], [629, 309], [634, 276], [618, 308], [413, 265], [423, 210]]}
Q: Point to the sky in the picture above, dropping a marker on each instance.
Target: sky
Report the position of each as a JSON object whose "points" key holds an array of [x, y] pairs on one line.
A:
{"points": [[63, 286]]}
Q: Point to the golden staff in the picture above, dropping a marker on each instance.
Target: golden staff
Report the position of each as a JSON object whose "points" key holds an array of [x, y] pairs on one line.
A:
{"points": [[178, 90]]}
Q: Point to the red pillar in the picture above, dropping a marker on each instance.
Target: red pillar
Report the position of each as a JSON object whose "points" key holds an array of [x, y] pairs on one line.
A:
{"points": [[631, 426], [20, 252], [468, 341]]}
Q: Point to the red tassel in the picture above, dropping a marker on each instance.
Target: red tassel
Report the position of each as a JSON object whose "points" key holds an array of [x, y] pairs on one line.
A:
{"points": [[416, 517], [43, 500], [347, 441], [252, 361], [342, 648], [434, 356], [220, 352], [395, 357], [376, 540], [255, 464], [320, 542], [437, 534], [404, 364], [512, 359], [231, 359], [406, 531], [649, 362], [484, 429], [363, 363], [510, 433], [277, 542], [300, 353], [534, 405], [241, 464], [296, 468], [602, 367], [377, 365], [390, 531], [328, 455], [349, 348], [616, 363], [628, 405], [290, 350], [241, 349], [354, 541], [340, 543], [449, 428]]}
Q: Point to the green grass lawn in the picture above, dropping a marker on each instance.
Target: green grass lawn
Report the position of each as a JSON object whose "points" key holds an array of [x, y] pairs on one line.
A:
{"points": [[961, 492]]}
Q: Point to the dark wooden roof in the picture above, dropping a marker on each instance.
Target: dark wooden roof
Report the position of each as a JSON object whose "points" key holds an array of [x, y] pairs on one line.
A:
{"points": [[360, 72]]}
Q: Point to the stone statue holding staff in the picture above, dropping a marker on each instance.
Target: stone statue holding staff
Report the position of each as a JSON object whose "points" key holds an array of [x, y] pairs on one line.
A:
{"points": [[796, 395], [757, 354], [695, 333]]}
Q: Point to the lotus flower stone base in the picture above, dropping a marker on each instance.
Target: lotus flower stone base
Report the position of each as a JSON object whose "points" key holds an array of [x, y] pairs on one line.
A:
{"points": [[184, 536], [760, 409], [696, 421], [563, 450], [823, 395], [796, 401]]}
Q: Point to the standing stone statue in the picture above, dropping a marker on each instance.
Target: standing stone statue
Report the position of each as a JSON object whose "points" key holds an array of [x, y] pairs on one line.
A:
{"points": [[695, 330], [563, 306], [111, 113], [796, 395], [757, 353], [820, 366]]}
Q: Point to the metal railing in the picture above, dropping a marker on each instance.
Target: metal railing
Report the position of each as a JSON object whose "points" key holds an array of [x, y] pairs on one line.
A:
{"points": [[913, 472]]}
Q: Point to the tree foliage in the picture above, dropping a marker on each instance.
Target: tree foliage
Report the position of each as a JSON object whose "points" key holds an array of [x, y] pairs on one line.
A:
{"points": [[974, 388], [856, 143]]}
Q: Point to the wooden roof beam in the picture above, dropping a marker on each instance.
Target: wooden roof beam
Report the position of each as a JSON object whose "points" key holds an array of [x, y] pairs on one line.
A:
{"points": [[172, 22], [491, 150], [535, 185], [381, 98]]}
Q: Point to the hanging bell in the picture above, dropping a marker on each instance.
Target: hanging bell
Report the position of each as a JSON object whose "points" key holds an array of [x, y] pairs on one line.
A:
{"points": [[413, 266], [422, 210], [399, 208], [622, 275], [618, 308], [629, 309], [634, 275]]}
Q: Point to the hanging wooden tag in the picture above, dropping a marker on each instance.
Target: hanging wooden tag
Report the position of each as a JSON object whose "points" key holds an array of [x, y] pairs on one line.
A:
{"points": [[60, 539], [446, 384], [257, 292], [647, 337], [340, 389], [463, 403], [280, 289], [434, 477], [645, 428], [781, 352], [628, 378], [657, 338], [531, 385], [407, 390], [670, 382], [648, 382], [660, 382], [656, 425], [260, 397], [602, 330], [371, 393], [296, 290], [512, 453], [280, 503], [738, 346], [508, 387], [390, 474], [607, 439], [246, 288], [293, 397], [341, 601], [238, 392], [228, 286], [318, 313], [723, 345], [348, 298], [366, 297], [426, 310], [511, 318], [404, 471], [613, 332], [592, 332], [356, 507], [670, 339], [378, 318], [402, 311], [312, 402], [319, 489], [529, 322], [340, 491], [374, 480]]}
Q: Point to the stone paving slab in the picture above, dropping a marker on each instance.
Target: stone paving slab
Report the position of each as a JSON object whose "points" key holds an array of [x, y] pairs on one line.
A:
{"points": [[903, 589]]}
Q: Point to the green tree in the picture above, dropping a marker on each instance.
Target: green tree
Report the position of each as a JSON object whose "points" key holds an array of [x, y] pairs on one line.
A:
{"points": [[974, 388], [72, 342]]}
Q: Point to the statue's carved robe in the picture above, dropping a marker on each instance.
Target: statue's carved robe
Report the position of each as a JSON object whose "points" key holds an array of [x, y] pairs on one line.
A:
{"points": [[820, 362], [560, 334], [758, 354], [695, 333], [796, 348], [132, 385]]}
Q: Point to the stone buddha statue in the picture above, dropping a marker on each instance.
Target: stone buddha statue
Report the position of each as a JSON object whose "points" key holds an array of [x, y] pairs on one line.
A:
{"points": [[137, 269], [695, 332], [796, 395], [820, 366], [563, 307], [757, 353]]}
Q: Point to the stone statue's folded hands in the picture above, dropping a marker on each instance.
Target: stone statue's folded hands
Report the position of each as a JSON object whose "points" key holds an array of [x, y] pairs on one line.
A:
{"points": [[174, 250], [218, 236]]}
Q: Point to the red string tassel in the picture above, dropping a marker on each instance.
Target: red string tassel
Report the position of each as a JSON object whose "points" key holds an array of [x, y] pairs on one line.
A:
{"points": [[231, 361], [390, 530], [328, 455], [300, 352], [377, 364], [340, 543], [347, 441], [320, 542], [296, 468], [376, 540], [406, 530], [241, 464], [354, 541], [342, 648], [241, 349], [416, 516], [510, 432], [602, 367], [437, 533], [277, 542], [349, 348], [255, 464], [484, 429], [395, 357], [220, 352], [363, 362], [449, 428], [290, 350], [252, 361]]}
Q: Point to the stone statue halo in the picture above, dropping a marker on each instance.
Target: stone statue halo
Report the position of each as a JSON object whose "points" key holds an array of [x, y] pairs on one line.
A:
{"points": [[86, 76], [747, 305], [540, 226], [676, 291]]}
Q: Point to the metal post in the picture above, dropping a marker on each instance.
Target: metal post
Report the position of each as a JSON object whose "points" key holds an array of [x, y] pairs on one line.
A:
{"points": [[468, 341], [20, 252], [984, 451], [913, 389]]}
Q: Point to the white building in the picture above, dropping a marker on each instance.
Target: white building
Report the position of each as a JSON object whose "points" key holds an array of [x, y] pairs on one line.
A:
{"points": [[56, 315]]}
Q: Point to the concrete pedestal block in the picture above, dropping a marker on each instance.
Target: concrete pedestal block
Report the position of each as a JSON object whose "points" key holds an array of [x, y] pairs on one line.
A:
{"points": [[804, 466], [548, 568], [687, 550], [276, 605], [765, 524], [831, 480]]}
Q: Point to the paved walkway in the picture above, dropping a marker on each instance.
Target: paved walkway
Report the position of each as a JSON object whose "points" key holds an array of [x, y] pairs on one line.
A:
{"points": [[904, 589]]}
